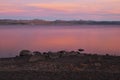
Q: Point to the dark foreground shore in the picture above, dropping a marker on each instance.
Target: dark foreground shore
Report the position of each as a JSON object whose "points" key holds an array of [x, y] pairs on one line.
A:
{"points": [[61, 65], [36, 75]]}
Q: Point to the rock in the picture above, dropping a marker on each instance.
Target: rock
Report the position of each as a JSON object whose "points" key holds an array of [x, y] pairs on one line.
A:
{"points": [[25, 53]]}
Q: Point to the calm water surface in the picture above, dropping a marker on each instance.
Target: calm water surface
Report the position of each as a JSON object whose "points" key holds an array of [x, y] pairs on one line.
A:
{"points": [[94, 39]]}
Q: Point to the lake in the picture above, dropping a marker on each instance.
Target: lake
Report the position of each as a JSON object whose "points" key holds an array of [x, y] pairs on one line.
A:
{"points": [[100, 39]]}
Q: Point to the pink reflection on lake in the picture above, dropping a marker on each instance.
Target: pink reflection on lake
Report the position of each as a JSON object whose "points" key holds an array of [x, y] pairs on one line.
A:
{"points": [[94, 39]]}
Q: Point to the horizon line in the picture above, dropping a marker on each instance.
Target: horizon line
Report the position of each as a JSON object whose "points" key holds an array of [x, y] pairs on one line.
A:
{"points": [[61, 19]]}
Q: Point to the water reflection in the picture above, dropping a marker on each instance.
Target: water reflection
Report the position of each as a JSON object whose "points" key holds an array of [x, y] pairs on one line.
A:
{"points": [[92, 39]]}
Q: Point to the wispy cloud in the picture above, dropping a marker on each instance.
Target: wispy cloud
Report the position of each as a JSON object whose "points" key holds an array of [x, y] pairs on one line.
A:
{"points": [[62, 8]]}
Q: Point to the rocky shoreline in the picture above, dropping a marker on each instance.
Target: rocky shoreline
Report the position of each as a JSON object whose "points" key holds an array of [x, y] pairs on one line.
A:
{"points": [[61, 65]]}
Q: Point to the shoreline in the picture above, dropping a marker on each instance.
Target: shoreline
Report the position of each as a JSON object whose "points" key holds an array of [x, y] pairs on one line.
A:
{"points": [[58, 66], [56, 22], [64, 60]]}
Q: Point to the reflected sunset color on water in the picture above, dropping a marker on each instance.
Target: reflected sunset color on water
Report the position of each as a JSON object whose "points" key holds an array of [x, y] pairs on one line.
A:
{"points": [[94, 39]]}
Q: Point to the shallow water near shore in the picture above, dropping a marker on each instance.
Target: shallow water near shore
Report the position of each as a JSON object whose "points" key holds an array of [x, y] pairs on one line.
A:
{"points": [[101, 39]]}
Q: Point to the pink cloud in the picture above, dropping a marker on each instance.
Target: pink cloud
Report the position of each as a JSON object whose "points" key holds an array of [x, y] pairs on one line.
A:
{"points": [[91, 8]]}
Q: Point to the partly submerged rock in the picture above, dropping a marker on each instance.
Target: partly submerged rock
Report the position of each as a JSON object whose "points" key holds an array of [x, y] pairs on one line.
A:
{"points": [[25, 53]]}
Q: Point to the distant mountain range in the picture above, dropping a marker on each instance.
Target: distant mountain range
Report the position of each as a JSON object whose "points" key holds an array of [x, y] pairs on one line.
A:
{"points": [[56, 22]]}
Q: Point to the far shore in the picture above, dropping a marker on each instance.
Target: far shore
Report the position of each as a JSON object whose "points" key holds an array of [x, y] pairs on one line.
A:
{"points": [[56, 22]]}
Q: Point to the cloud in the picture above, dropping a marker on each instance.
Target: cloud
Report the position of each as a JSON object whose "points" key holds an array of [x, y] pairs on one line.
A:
{"points": [[56, 6], [61, 9], [10, 8], [77, 8]]}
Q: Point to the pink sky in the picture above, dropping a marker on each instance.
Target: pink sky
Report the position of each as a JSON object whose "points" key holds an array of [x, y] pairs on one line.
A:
{"points": [[60, 9]]}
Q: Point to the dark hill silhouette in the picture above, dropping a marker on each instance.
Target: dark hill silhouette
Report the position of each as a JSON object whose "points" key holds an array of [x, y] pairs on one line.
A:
{"points": [[56, 22]]}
